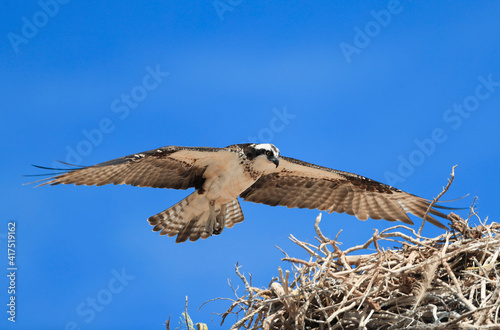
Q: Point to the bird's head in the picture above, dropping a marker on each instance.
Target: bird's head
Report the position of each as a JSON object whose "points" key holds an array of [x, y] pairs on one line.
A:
{"points": [[265, 154]]}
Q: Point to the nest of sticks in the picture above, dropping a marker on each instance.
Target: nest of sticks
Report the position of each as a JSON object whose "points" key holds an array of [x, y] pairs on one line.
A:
{"points": [[448, 282]]}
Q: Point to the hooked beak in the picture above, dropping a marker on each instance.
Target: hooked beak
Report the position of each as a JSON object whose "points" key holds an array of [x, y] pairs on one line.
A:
{"points": [[276, 161]]}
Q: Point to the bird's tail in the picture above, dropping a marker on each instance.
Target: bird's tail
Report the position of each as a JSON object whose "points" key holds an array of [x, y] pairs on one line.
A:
{"points": [[195, 217]]}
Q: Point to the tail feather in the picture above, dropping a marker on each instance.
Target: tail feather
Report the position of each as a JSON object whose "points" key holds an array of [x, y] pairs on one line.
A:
{"points": [[233, 214], [193, 218], [189, 230]]}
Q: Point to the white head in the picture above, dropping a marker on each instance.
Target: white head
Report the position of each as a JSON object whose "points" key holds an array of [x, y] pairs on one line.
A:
{"points": [[265, 155]]}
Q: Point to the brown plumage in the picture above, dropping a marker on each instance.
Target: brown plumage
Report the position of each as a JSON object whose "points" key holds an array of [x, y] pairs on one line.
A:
{"points": [[254, 172], [304, 185]]}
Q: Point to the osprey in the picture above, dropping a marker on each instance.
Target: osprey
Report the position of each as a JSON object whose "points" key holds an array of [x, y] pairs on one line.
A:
{"points": [[254, 172]]}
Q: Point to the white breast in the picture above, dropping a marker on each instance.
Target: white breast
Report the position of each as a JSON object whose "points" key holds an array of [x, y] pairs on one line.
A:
{"points": [[226, 178]]}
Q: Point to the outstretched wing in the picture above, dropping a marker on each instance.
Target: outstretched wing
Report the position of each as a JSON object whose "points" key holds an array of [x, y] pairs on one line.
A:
{"points": [[304, 185], [166, 167]]}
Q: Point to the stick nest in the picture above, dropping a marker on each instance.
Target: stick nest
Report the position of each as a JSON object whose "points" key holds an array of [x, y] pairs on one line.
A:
{"points": [[447, 282]]}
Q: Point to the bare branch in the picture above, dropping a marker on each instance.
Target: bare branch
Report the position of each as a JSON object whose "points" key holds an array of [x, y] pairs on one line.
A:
{"points": [[435, 200]]}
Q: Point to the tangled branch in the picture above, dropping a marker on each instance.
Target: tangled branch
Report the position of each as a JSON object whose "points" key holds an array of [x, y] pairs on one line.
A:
{"points": [[449, 281]]}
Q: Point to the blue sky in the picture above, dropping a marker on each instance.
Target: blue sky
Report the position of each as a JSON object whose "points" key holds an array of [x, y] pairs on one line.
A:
{"points": [[396, 91]]}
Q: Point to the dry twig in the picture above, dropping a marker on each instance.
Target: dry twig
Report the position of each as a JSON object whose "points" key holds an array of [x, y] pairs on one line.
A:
{"points": [[449, 281]]}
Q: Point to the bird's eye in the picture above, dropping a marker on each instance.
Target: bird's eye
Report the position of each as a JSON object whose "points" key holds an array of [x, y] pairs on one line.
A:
{"points": [[269, 153]]}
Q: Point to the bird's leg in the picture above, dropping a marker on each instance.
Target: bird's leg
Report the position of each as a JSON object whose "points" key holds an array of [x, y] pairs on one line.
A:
{"points": [[211, 218], [219, 220]]}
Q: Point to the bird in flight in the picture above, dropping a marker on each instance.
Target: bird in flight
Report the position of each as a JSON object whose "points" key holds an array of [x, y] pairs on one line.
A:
{"points": [[254, 172]]}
